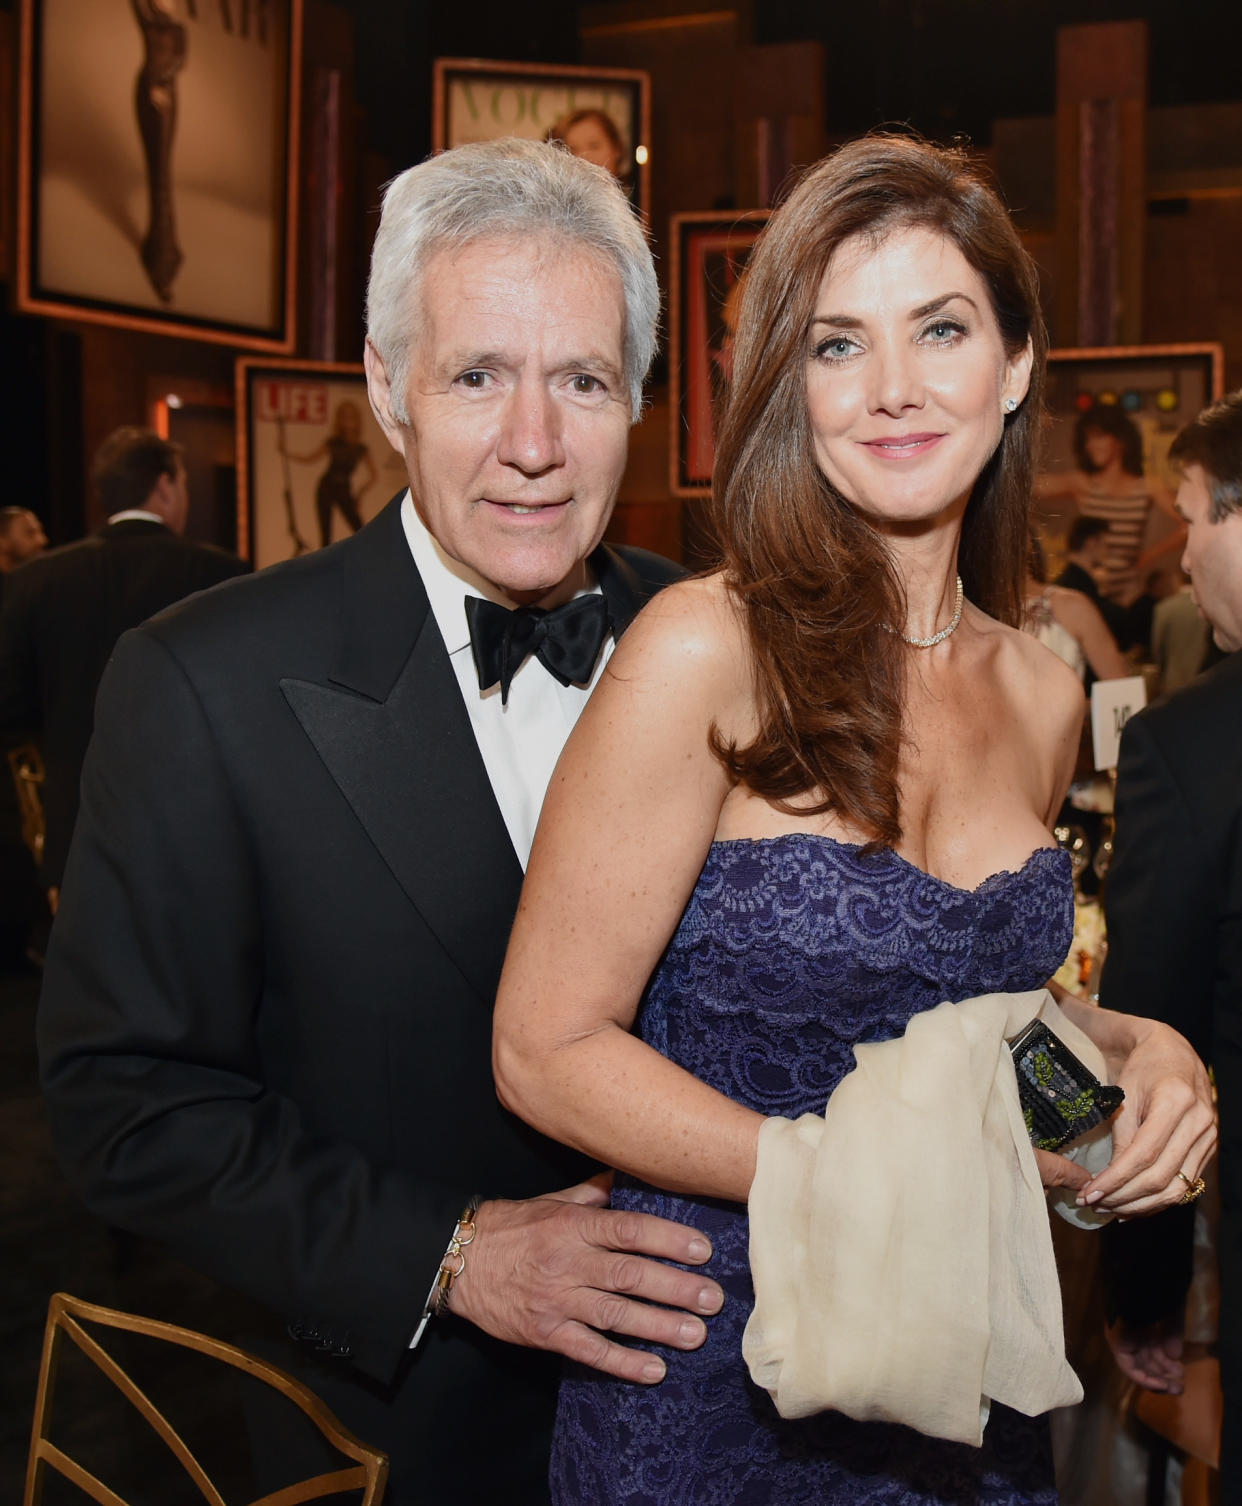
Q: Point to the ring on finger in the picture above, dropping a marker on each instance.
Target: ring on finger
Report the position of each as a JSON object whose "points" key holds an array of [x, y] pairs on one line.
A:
{"points": [[1194, 1189]]}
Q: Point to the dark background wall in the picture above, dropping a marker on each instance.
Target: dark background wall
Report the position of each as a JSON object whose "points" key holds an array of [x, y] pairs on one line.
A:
{"points": [[983, 69], [946, 66]]}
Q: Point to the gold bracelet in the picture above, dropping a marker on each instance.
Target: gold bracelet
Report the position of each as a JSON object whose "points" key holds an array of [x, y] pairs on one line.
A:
{"points": [[454, 1261]]}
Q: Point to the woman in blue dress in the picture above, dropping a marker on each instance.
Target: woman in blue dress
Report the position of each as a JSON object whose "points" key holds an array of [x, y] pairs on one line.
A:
{"points": [[833, 764]]}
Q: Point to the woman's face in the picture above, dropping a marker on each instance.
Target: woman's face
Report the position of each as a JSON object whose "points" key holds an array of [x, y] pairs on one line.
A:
{"points": [[1101, 447], [589, 140], [907, 377]]}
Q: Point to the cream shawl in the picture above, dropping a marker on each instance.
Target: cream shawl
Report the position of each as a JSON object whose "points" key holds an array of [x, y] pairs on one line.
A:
{"points": [[899, 1243]]}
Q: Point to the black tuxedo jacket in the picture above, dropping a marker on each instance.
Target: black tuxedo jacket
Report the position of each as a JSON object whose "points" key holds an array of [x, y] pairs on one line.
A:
{"points": [[1173, 903], [265, 1029], [62, 615]]}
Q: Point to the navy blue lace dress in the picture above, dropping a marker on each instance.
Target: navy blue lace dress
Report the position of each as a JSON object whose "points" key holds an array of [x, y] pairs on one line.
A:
{"points": [[793, 949]]}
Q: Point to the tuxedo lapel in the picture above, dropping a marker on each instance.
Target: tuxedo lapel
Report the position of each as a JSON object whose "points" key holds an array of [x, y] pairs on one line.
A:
{"points": [[395, 736], [621, 587]]}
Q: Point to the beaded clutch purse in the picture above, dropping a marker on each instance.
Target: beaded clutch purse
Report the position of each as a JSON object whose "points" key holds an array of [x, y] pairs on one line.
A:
{"points": [[1060, 1097]]}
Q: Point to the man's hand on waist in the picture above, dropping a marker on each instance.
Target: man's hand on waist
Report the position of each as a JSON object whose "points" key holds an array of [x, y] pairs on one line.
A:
{"points": [[564, 1272]]}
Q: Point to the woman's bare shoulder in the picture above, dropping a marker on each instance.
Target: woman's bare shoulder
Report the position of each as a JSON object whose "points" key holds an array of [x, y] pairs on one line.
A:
{"points": [[1043, 683], [1044, 698], [695, 621], [686, 655]]}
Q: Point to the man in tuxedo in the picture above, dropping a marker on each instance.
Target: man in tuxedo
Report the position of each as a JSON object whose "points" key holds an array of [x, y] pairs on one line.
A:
{"points": [[1174, 921], [266, 1023], [64, 611]]}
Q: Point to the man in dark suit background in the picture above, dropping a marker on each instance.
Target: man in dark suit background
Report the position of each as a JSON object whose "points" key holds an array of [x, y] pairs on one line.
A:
{"points": [[1174, 923], [266, 1022], [21, 537], [64, 611], [23, 907], [1086, 546]]}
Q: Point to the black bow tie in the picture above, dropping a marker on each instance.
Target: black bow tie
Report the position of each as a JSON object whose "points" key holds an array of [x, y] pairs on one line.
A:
{"points": [[566, 640]]}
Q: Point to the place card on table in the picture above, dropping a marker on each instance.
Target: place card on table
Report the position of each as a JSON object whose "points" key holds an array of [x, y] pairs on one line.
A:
{"points": [[1113, 703]]}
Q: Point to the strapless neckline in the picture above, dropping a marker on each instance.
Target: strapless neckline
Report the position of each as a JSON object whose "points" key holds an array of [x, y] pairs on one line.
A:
{"points": [[794, 950], [1002, 875]]}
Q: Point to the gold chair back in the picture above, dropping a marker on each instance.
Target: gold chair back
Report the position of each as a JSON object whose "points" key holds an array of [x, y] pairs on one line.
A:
{"points": [[67, 1319], [26, 767]]}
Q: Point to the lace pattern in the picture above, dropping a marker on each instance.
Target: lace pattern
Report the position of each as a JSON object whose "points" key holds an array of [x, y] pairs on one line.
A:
{"points": [[792, 950]]}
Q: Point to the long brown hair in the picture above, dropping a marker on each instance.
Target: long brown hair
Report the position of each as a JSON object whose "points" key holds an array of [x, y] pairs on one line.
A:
{"points": [[815, 581]]}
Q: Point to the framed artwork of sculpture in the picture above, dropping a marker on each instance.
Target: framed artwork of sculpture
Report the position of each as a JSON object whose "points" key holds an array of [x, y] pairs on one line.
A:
{"points": [[1114, 412], [603, 114], [313, 465], [157, 165], [708, 251]]}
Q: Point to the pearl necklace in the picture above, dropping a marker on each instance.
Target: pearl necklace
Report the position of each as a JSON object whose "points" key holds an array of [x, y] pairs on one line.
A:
{"points": [[944, 631]]}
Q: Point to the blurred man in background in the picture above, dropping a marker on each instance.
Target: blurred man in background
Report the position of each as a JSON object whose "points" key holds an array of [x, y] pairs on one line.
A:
{"points": [[1174, 922], [63, 612], [21, 537]]}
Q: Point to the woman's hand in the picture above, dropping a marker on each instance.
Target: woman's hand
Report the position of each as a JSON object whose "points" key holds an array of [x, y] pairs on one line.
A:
{"points": [[1150, 1356], [1165, 1132], [1060, 1171]]}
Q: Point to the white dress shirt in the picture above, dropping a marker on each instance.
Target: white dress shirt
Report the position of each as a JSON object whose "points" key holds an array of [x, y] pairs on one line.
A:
{"points": [[521, 741]]}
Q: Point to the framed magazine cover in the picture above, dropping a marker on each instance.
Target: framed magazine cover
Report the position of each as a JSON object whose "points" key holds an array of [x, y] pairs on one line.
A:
{"points": [[313, 465], [708, 251], [1113, 413], [157, 166], [477, 100]]}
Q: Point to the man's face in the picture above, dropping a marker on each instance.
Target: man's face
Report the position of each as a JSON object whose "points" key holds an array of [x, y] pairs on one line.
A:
{"points": [[518, 408], [25, 538], [1213, 559]]}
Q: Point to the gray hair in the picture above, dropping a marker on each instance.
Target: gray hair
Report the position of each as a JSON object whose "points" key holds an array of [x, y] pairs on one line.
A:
{"points": [[503, 188]]}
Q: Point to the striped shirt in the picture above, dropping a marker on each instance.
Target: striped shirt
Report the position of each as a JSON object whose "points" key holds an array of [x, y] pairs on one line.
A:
{"points": [[1126, 516]]}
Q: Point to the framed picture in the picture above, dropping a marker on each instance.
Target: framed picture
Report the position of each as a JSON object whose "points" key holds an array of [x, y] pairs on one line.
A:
{"points": [[708, 253], [312, 463], [603, 114], [158, 166], [1114, 413]]}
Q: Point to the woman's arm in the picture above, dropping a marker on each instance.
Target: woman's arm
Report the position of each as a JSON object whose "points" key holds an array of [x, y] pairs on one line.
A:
{"points": [[1059, 483], [625, 829], [1082, 617], [1171, 544], [1165, 499], [1052, 715], [1164, 496], [1168, 1121]]}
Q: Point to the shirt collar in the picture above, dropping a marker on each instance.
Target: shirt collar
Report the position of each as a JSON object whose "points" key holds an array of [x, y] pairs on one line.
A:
{"points": [[448, 582], [140, 514]]}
